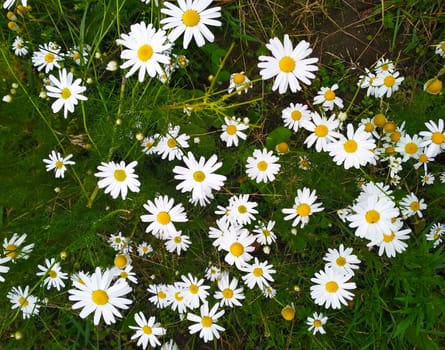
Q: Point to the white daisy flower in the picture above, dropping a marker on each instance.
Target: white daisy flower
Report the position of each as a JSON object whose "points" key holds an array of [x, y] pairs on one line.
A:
{"points": [[258, 274], [239, 82], [218, 233], [118, 178], [97, 294], [238, 244], [440, 49], [58, 163], [409, 147], [13, 249], [388, 83], [48, 57], [205, 323], [342, 260], [264, 234], [194, 290], [328, 99], [316, 323], [354, 150], [172, 144], [162, 214], [241, 210], [175, 298], [304, 207], [322, 131], [198, 178], [295, 115], [232, 131], [269, 292], [331, 288], [160, 295], [436, 233], [262, 166], [121, 261], [427, 179], [229, 294], [27, 303], [147, 331], [287, 64], [391, 242], [384, 65], [119, 243], [434, 138], [146, 48], [19, 46], [125, 275], [191, 19], [422, 161], [3, 269], [144, 249], [304, 163], [213, 273], [79, 56], [177, 241], [411, 205], [54, 275], [442, 177], [367, 81], [149, 144]]}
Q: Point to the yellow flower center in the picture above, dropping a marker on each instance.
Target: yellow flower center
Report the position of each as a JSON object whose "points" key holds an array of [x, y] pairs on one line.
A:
{"points": [[287, 64], [163, 218], [411, 148], [379, 120], [329, 95], [266, 232], [49, 57], [236, 249], [372, 216], [262, 165], [414, 206], [231, 129], [317, 323], [120, 261], [65, 93], [303, 209], [199, 176], [120, 175], [171, 143], [340, 261], [206, 321], [436, 236], [149, 145], [395, 136], [59, 164], [242, 209], [147, 330], [76, 56], [227, 293], [389, 126], [296, 115], [369, 127], [161, 295], [257, 271], [388, 238], [390, 150], [177, 239], [282, 147], [288, 313], [433, 86], [23, 302], [350, 146], [321, 130], [331, 287], [194, 289], [52, 274], [178, 296], [99, 297], [384, 67], [423, 158], [389, 81], [239, 78], [191, 18], [10, 251], [438, 138], [145, 52]]}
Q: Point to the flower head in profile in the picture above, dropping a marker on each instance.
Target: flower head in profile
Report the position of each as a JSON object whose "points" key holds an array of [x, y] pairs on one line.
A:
{"points": [[288, 65], [117, 178], [13, 248], [205, 322], [145, 49], [147, 331], [67, 92], [97, 293], [436, 233], [303, 208], [191, 19], [58, 163]]}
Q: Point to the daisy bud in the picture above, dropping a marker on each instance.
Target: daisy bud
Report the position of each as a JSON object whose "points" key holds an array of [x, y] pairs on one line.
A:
{"points": [[139, 136], [266, 250], [57, 189], [13, 26], [196, 140], [293, 231], [90, 81], [288, 312], [13, 91], [63, 255], [112, 66], [210, 77], [282, 148], [7, 98], [118, 121], [98, 55], [42, 94], [11, 16], [433, 86], [342, 116], [297, 289], [17, 335], [14, 85]]}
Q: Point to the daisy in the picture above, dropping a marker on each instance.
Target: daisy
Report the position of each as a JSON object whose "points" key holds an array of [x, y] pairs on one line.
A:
{"points": [[177, 241], [384, 65], [97, 294], [238, 244], [435, 234], [119, 243], [295, 115], [205, 323], [331, 288], [162, 214], [144, 249], [222, 229], [121, 261], [172, 144], [439, 50], [354, 150], [146, 48], [258, 274], [409, 147], [388, 83], [191, 19], [160, 295], [19, 46], [269, 292], [262, 166], [54, 275], [328, 99], [229, 294], [392, 241], [13, 249], [422, 160], [126, 274], [304, 207], [147, 331], [264, 234], [198, 178], [367, 81], [67, 92], [241, 210], [316, 323], [304, 163], [434, 138], [289, 65], [239, 82], [411, 205], [433, 86], [118, 178], [79, 56], [342, 260], [322, 131], [3, 269], [175, 298], [20, 298], [48, 57], [58, 163], [213, 273], [427, 179], [194, 290], [232, 131], [149, 144]]}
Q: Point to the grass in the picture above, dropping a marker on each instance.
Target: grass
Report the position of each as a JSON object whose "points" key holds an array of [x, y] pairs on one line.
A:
{"points": [[397, 302]]}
